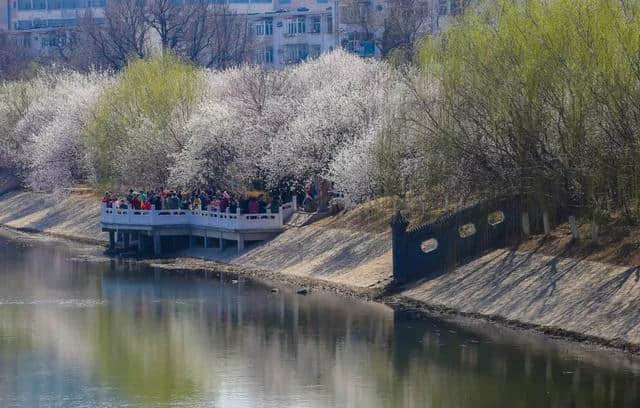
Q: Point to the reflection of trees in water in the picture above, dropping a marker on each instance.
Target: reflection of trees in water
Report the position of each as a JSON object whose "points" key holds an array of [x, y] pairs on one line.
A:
{"points": [[286, 343], [443, 365], [163, 340]]}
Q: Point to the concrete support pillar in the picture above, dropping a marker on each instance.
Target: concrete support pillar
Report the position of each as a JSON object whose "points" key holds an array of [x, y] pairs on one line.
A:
{"points": [[127, 239], [240, 243], [526, 228], [157, 247], [192, 241], [205, 239], [221, 240], [112, 240], [140, 244]]}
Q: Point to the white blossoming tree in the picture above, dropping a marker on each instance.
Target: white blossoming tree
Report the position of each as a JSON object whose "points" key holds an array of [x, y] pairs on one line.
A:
{"points": [[54, 152]]}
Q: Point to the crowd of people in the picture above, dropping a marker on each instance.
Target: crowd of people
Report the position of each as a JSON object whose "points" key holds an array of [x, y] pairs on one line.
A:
{"points": [[210, 200]]}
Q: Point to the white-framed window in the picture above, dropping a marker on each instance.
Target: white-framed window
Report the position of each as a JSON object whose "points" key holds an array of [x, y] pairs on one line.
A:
{"points": [[329, 24], [264, 27], [265, 56], [296, 53], [315, 24], [296, 25]]}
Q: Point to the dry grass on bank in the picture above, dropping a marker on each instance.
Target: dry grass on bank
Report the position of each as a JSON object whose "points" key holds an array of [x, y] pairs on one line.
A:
{"points": [[375, 216], [616, 244]]}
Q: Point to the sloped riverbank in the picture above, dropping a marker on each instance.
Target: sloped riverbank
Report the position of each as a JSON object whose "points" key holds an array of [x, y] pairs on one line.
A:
{"points": [[581, 300], [576, 299]]}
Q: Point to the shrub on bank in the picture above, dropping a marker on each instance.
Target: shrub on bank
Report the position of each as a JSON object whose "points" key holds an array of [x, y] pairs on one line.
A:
{"points": [[539, 97]]}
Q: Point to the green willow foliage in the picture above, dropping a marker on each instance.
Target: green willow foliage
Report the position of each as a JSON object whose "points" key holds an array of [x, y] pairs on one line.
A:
{"points": [[138, 123], [540, 97]]}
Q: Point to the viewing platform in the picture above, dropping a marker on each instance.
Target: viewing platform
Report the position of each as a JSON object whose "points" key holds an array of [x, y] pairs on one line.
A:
{"points": [[146, 228]]}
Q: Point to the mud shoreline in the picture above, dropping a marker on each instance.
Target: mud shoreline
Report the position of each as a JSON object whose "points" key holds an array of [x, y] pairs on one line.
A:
{"points": [[387, 295]]}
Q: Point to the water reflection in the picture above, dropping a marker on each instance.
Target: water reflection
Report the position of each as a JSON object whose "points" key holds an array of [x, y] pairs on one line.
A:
{"points": [[78, 333]]}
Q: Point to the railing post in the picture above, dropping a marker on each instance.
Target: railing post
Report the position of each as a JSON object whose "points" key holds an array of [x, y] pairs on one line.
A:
{"points": [[545, 222], [526, 229], [399, 244], [294, 200]]}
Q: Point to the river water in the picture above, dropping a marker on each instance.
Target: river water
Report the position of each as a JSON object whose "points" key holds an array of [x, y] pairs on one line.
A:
{"points": [[78, 331]]}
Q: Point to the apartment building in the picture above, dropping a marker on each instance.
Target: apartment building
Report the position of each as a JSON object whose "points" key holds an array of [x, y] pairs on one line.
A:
{"points": [[285, 31], [293, 31], [31, 21]]}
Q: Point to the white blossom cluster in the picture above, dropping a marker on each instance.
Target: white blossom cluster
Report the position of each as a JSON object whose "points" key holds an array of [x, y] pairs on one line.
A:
{"points": [[324, 117], [338, 116], [45, 120]]}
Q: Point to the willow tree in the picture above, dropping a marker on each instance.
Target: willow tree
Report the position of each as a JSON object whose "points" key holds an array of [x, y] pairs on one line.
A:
{"points": [[537, 98], [139, 122]]}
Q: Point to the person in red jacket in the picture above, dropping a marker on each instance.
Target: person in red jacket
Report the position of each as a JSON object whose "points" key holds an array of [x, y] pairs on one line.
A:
{"points": [[254, 207], [107, 200]]}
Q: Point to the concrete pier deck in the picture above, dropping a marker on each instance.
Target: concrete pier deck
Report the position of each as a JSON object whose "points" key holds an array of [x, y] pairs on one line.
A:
{"points": [[146, 228]]}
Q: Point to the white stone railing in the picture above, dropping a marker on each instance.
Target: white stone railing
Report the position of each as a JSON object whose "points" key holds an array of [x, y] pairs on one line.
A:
{"points": [[198, 218]]}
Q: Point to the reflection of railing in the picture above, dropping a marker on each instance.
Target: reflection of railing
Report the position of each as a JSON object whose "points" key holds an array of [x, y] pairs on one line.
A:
{"points": [[198, 218]]}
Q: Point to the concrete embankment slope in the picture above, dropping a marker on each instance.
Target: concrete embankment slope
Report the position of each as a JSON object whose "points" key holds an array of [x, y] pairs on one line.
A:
{"points": [[340, 256], [589, 298], [337, 255], [71, 216]]}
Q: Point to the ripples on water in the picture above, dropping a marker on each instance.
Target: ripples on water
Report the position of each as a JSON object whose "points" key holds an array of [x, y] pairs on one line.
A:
{"points": [[75, 333]]}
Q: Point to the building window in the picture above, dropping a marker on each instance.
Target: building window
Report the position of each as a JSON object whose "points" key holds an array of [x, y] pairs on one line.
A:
{"points": [[329, 24], [295, 53], [49, 42], [24, 4], [315, 51], [264, 27], [315, 24], [23, 25], [39, 4], [296, 26], [284, 1], [61, 22], [359, 43], [265, 56], [54, 4], [322, 1]]}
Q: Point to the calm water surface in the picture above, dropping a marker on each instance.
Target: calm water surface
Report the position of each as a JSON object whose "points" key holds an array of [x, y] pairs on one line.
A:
{"points": [[79, 332]]}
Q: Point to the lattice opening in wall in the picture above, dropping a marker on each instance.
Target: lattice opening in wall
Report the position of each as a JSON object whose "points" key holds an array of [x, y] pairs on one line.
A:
{"points": [[467, 230], [429, 245], [495, 218]]}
